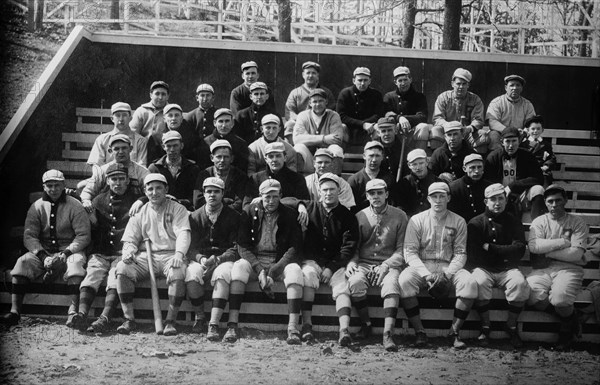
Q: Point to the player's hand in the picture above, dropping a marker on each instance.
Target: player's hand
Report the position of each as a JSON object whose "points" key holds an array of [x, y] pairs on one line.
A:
{"points": [[62, 257], [88, 206], [227, 201], [302, 215], [404, 123], [380, 272], [351, 268], [48, 262], [128, 259], [326, 275], [566, 243], [210, 262], [369, 127], [262, 279], [177, 260], [486, 246], [135, 208], [256, 200]]}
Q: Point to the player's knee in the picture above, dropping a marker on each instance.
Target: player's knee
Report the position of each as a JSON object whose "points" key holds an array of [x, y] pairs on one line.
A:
{"points": [[466, 288], [292, 275], [535, 191], [241, 271], [124, 270], [311, 276], [357, 285], [194, 273], [176, 274], [561, 299], [222, 272]]}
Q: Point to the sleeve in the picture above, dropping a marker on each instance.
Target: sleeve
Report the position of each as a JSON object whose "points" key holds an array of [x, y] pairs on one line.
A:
{"points": [[460, 248], [234, 102], [491, 168], [377, 105], [301, 134], [252, 156], [434, 163], [132, 237], [195, 230], [344, 109], [389, 103], [421, 113], [475, 241], [231, 255], [97, 153], [529, 112], [493, 115], [538, 244], [335, 124], [137, 121], [93, 185], [239, 189], [80, 223], [550, 159], [291, 107], [330, 99], [33, 228], [294, 238], [439, 115], [477, 114], [181, 227], [396, 260], [245, 245], [349, 243], [142, 151], [412, 246], [516, 249]]}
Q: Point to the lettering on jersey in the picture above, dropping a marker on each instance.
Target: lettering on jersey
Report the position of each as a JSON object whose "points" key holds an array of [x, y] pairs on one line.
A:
{"points": [[449, 234], [168, 220], [567, 233]]}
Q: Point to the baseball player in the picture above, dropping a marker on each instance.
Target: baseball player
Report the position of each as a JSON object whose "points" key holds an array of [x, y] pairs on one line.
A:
{"points": [[449, 158], [387, 130], [435, 251], [212, 253], [148, 119], [235, 180], [201, 118], [108, 220], [57, 230], [268, 244], [495, 244], [557, 242], [270, 127], [248, 120], [411, 191], [323, 161], [223, 131], [240, 95], [378, 259], [332, 231], [468, 191], [166, 224], [360, 106]]}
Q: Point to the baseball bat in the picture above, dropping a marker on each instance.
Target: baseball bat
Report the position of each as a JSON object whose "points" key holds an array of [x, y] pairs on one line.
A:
{"points": [[158, 324], [403, 149]]}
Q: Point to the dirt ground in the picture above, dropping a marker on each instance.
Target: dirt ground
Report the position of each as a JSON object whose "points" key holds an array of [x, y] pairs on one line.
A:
{"points": [[42, 351]]}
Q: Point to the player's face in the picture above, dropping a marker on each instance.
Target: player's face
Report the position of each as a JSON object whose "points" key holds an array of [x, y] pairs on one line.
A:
{"points": [[271, 200], [156, 192], [439, 201], [322, 164], [120, 151], [511, 145], [173, 119], [556, 205], [159, 97], [373, 158], [387, 134], [117, 183], [454, 139], [403, 82], [250, 75], [204, 98], [275, 160], [311, 77], [535, 130], [460, 87], [496, 204], [318, 104], [270, 131], [329, 193], [221, 158], [121, 119], [419, 167], [377, 198], [173, 148], [259, 97], [54, 188], [513, 89], [474, 170], [361, 82], [213, 195], [224, 124]]}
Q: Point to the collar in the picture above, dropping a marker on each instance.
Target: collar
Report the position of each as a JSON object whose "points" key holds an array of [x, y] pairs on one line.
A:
{"points": [[176, 164], [151, 106], [381, 213], [61, 199], [513, 101], [280, 172], [531, 139], [490, 214], [410, 90]]}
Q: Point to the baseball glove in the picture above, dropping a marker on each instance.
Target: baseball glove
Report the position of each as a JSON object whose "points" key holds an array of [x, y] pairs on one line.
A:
{"points": [[55, 267], [439, 286]]}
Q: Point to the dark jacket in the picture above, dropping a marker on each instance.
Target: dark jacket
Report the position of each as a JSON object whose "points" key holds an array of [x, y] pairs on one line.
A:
{"points": [[202, 121], [240, 99], [191, 143], [182, 185], [239, 148], [332, 237], [358, 183], [288, 238], [442, 160], [218, 239], [248, 121], [356, 108], [528, 172], [542, 151], [411, 193], [235, 188], [410, 104], [293, 186], [466, 197]]}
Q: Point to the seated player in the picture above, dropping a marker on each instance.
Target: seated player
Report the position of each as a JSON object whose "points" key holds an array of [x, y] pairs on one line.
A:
{"points": [[378, 259], [193, 148], [323, 162], [201, 118], [435, 250], [540, 147], [387, 130], [495, 244], [411, 191], [248, 120], [269, 241], [148, 118], [331, 234], [270, 127], [557, 242], [57, 231], [224, 131], [468, 191], [212, 252], [450, 157], [165, 223], [240, 95]]}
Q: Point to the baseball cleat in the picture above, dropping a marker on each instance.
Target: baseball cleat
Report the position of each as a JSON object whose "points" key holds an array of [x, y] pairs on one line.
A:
{"points": [[421, 339], [169, 329], [127, 327], [199, 326], [345, 339], [388, 342], [99, 326], [213, 333], [10, 319], [79, 322], [71, 320], [293, 338], [484, 336], [457, 343], [364, 332], [230, 335], [307, 333], [515, 340]]}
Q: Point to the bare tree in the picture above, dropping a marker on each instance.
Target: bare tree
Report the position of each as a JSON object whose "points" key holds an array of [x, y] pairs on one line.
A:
{"points": [[408, 24], [451, 30], [285, 21], [114, 13]]}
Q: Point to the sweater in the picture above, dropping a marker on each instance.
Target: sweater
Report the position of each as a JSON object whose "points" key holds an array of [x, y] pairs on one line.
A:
{"points": [[256, 157], [528, 172], [448, 108], [219, 238], [502, 113], [298, 101], [358, 183], [410, 104], [356, 108], [293, 186], [442, 160], [181, 186], [466, 197], [202, 121], [235, 188], [411, 193]]}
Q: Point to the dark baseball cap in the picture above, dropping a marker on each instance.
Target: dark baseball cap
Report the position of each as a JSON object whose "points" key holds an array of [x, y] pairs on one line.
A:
{"points": [[554, 189], [159, 84]]}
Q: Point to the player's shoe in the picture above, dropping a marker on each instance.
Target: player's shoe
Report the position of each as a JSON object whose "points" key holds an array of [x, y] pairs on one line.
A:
{"points": [[169, 329], [364, 332], [307, 334], [127, 327], [293, 338], [199, 326], [484, 336], [71, 320], [565, 339], [99, 326], [421, 339], [230, 335], [345, 339], [515, 340], [213, 333], [10, 319], [457, 343], [388, 342]]}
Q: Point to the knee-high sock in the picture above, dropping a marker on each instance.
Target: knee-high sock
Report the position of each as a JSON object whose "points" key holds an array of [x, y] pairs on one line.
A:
{"points": [[343, 306], [411, 308], [19, 289], [73, 290], [86, 297], [538, 207], [220, 295], [176, 294], [461, 312], [236, 295], [196, 293], [294, 299], [483, 308], [126, 289], [514, 309], [110, 302], [362, 308], [390, 310], [308, 298]]}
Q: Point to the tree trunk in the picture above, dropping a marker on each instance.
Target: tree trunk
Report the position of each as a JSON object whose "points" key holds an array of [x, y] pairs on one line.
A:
{"points": [[408, 24], [39, 14], [589, 7], [31, 15], [285, 21], [451, 31], [114, 13]]}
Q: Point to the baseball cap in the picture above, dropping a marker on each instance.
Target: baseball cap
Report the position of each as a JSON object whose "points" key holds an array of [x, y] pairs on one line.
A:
{"points": [[214, 182], [329, 176], [223, 111], [514, 77], [555, 188], [375, 184], [119, 138], [361, 71], [401, 71], [52, 175], [155, 177], [258, 86], [171, 135], [386, 121], [416, 154], [249, 64], [116, 168], [274, 147], [205, 87], [170, 107], [318, 92], [463, 74], [270, 118], [450, 126], [534, 119], [159, 84], [373, 144], [269, 185], [120, 106], [311, 64], [323, 152], [219, 143], [472, 158], [510, 132], [494, 189], [438, 187]]}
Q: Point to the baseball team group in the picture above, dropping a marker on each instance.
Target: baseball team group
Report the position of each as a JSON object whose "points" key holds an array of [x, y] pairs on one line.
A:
{"points": [[218, 197]]}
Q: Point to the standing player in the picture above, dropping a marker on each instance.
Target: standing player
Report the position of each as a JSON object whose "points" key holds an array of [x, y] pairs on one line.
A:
{"points": [[248, 120], [201, 118], [224, 131], [324, 164], [240, 95], [148, 118], [468, 191]]}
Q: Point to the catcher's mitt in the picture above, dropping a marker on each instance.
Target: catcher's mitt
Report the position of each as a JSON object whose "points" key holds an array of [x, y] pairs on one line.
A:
{"points": [[440, 286], [55, 267]]}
